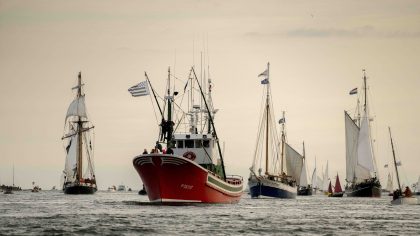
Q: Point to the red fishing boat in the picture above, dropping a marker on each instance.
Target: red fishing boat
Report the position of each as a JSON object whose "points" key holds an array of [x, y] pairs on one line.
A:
{"points": [[188, 167], [338, 191]]}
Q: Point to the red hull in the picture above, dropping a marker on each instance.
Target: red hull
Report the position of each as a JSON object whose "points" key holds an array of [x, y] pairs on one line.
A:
{"points": [[174, 179]]}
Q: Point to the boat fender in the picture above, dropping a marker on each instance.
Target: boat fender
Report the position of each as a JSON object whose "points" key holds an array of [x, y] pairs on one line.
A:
{"points": [[190, 155]]}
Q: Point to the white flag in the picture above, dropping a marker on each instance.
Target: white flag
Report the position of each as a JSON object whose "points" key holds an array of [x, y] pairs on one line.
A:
{"points": [[141, 89]]}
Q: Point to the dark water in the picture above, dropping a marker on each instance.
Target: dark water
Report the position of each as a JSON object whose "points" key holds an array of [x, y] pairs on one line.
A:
{"points": [[123, 213]]}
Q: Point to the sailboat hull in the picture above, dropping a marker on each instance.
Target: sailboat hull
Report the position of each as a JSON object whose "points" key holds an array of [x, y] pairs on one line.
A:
{"points": [[171, 179], [370, 188], [405, 201], [79, 189], [304, 191], [263, 187]]}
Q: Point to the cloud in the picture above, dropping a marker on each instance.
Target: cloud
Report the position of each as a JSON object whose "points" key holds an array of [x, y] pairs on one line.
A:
{"points": [[361, 32]]}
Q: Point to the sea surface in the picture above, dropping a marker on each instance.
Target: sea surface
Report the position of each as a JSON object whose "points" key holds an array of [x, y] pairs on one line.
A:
{"points": [[127, 213]]}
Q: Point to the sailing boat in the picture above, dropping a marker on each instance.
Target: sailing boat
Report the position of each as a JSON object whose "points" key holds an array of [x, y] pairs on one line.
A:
{"points": [[303, 188], [360, 159], [338, 191], [389, 186], [325, 180], [191, 168], [274, 182], [399, 198], [78, 179], [417, 187], [314, 180]]}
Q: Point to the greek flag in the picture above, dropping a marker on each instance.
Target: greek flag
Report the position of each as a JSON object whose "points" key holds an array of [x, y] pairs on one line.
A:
{"points": [[138, 90]]}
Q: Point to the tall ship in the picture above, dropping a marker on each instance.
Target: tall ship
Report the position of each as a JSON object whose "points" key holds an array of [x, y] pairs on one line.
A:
{"points": [[282, 164], [186, 164], [79, 174], [361, 171]]}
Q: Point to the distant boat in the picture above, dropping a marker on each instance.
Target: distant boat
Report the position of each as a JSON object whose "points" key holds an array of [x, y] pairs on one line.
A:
{"points": [[325, 180], [400, 198], [360, 165], [417, 187], [279, 179], [143, 191], [35, 188], [79, 175], [389, 186], [304, 189], [314, 180], [338, 191], [121, 188], [112, 188]]}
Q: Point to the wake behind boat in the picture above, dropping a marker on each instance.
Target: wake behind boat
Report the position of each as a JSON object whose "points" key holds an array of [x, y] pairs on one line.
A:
{"points": [[277, 181], [79, 176], [191, 168], [361, 171]]}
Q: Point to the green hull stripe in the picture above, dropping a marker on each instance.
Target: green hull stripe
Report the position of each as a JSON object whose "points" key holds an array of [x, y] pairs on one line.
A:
{"points": [[224, 186]]}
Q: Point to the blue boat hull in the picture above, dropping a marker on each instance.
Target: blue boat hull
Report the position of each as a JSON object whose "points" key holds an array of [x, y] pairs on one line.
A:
{"points": [[268, 191]]}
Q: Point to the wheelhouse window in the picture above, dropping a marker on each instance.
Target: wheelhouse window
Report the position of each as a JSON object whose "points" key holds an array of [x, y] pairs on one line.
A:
{"points": [[198, 144], [189, 143], [180, 144], [206, 143]]}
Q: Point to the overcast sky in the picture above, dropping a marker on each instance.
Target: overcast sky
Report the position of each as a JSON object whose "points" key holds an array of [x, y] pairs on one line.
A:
{"points": [[317, 50]]}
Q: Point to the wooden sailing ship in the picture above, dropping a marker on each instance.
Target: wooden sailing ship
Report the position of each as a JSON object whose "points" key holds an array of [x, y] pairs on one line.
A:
{"points": [[79, 175], [282, 168], [361, 171], [304, 189]]}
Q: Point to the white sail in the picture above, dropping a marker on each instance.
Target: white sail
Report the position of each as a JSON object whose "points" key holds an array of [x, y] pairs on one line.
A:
{"points": [[294, 162], [364, 148], [319, 182], [417, 189], [314, 179], [325, 179], [353, 170], [70, 168], [303, 178], [77, 108], [389, 185]]}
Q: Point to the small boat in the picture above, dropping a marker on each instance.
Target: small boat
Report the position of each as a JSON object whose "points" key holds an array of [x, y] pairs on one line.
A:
{"points": [[329, 190], [389, 186], [35, 188], [143, 191], [274, 182], [399, 198], [417, 187], [338, 191], [304, 189], [112, 188], [314, 181], [121, 188], [189, 166], [79, 175], [8, 190], [360, 165]]}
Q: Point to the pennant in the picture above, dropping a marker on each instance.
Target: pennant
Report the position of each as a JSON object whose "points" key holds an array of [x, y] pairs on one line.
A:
{"points": [[264, 81], [353, 91], [282, 120], [265, 73]]}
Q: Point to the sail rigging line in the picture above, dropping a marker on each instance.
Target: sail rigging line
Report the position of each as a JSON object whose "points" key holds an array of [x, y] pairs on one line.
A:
{"points": [[212, 124], [260, 123], [89, 156]]}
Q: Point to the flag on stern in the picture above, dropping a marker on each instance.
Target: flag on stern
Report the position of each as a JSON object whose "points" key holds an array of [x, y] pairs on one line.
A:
{"points": [[138, 90]]}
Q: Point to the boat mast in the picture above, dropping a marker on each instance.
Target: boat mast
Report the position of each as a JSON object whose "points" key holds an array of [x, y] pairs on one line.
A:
{"points": [[169, 121], [267, 117], [212, 124], [79, 132], [283, 140], [364, 88], [395, 162]]}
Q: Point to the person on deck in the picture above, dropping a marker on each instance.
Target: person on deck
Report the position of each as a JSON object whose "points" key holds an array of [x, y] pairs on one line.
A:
{"points": [[145, 151], [407, 192]]}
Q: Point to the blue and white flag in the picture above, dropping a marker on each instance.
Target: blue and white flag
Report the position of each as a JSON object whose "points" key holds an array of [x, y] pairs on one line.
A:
{"points": [[282, 120], [353, 91], [138, 90], [264, 81]]}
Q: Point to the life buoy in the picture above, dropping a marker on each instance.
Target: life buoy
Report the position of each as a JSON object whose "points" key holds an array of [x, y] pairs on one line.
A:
{"points": [[190, 155]]}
